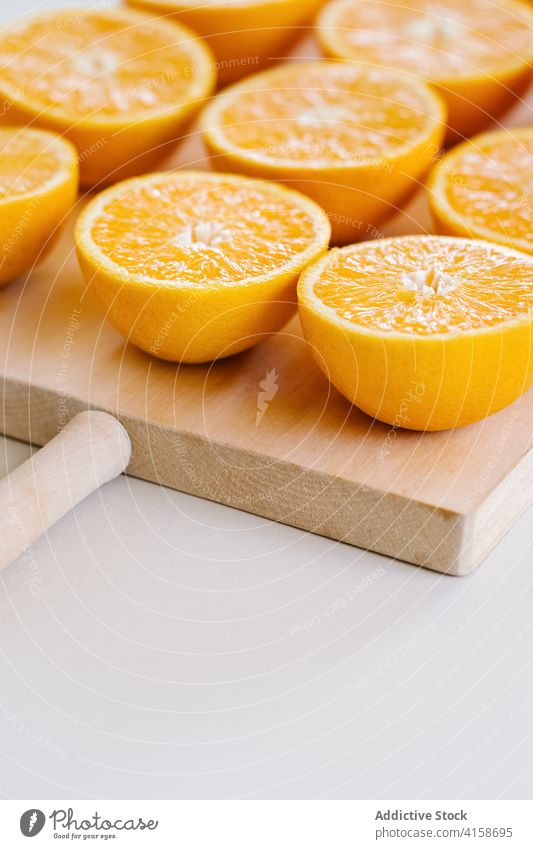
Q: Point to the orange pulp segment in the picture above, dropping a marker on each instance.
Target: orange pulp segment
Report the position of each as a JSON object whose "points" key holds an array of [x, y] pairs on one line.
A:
{"points": [[243, 34], [38, 187], [192, 266], [354, 139], [477, 53], [453, 317], [483, 188], [116, 82]]}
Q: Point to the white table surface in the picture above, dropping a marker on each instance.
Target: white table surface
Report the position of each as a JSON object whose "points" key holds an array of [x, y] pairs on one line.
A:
{"points": [[159, 646]]}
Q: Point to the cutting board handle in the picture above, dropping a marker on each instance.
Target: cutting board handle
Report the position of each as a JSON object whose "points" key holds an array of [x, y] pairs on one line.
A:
{"points": [[92, 449]]}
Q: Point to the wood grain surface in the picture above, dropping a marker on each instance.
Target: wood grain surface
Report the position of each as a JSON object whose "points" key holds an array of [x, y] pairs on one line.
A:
{"points": [[305, 457]]}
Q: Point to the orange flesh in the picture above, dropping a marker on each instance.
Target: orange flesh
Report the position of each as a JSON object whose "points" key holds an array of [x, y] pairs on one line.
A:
{"points": [[27, 162], [179, 4], [492, 186], [437, 40], [202, 232], [325, 113], [478, 285], [96, 64]]}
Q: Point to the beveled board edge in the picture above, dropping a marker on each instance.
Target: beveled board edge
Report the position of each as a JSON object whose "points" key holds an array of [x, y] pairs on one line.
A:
{"points": [[330, 506]]}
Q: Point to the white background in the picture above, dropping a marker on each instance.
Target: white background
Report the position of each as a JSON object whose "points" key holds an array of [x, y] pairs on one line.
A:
{"points": [[237, 825], [163, 658], [153, 647]]}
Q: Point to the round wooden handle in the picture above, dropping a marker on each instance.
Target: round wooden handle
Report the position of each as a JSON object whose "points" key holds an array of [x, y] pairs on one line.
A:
{"points": [[91, 450]]}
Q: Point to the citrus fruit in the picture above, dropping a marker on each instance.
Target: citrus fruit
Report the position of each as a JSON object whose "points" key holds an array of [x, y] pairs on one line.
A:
{"points": [[243, 34], [422, 332], [117, 83], [38, 186], [192, 266], [483, 188], [478, 53], [354, 139]]}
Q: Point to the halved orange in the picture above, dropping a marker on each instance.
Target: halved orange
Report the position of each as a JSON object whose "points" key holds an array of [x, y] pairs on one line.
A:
{"points": [[192, 266], [356, 140], [38, 186], [116, 82], [477, 53], [243, 34], [483, 188], [422, 332]]}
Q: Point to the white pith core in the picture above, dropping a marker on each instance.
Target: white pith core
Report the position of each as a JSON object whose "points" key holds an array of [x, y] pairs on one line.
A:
{"points": [[428, 283], [90, 63], [316, 115], [206, 234], [427, 29]]}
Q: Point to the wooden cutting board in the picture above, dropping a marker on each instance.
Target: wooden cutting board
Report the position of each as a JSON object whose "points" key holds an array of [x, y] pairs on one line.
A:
{"points": [[264, 431]]}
